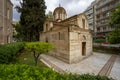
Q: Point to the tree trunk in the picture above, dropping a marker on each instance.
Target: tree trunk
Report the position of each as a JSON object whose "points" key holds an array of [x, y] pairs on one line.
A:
{"points": [[36, 56]]}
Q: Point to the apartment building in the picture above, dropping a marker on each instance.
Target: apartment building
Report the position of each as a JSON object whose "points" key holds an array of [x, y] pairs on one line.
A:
{"points": [[102, 17], [90, 12], [6, 29]]}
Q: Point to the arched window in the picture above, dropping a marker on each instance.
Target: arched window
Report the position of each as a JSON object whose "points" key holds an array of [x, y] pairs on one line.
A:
{"points": [[8, 13], [46, 27], [84, 38], [83, 21]]}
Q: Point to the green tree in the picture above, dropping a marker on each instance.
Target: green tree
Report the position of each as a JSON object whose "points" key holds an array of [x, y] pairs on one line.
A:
{"points": [[31, 19], [17, 32], [115, 18], [49, 15], [38, 48], [114, 36]]}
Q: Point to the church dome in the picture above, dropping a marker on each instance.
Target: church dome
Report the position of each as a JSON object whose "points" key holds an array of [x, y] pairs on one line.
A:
{"points": [[59, 14]]}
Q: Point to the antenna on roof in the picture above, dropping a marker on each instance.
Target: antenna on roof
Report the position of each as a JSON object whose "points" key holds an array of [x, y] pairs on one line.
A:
{"points": [[59, 5]]}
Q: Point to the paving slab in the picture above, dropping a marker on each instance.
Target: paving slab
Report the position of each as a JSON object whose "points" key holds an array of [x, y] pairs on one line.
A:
{"points": [[91, 65], [115, 72]]}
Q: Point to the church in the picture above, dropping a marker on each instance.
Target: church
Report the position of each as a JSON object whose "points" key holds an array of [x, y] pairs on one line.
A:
{"points": [[71, 36]]}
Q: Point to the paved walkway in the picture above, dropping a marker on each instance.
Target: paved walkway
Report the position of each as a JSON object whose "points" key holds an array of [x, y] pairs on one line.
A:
{"points": [[105, 71], [115, 72], [93, 65]]}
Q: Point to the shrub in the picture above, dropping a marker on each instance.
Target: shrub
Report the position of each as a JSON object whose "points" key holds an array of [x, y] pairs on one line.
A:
{"points": [[99, 40], [114, 37], [25, 72], [38, 48], [87, 77], [8, 52]]}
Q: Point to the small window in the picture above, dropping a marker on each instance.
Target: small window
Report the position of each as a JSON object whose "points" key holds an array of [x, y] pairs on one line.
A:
{"points": [[8, 13], [59, 35], [83, 21], [46, 27]]}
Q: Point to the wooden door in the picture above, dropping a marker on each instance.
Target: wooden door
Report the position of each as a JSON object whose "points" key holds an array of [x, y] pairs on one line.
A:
{"points": [[83, 48]]}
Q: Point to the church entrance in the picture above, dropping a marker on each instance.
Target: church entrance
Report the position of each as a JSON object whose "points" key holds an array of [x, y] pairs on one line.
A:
{"points": [[83, 48]]}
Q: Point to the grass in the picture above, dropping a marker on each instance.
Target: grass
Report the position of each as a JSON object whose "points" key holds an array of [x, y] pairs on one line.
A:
{"points": [[26, 57]]}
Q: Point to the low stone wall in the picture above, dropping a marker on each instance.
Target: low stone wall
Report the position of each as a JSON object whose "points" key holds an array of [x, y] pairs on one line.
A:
{"points": [[109, 48]]}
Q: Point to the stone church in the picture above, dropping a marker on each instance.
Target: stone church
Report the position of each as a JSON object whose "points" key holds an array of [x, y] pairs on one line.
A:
{"points": [[71, 36]]}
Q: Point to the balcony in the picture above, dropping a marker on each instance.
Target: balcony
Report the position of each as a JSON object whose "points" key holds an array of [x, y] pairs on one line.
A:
{"points": [[103, 2], [107, 8], [101, 24], [102, 18], [104, 31]]}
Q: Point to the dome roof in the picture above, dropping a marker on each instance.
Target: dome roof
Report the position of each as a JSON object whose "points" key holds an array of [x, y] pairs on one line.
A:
{"points": [[59, 14], [59, 9]]}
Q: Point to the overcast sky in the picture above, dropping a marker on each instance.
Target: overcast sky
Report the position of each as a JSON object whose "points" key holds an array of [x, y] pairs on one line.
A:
{"points": [[72, 6]]}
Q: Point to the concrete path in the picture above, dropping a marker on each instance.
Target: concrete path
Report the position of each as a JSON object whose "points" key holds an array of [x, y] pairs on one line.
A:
{"points": [[115, 72], [105, 71], [93, 65]]}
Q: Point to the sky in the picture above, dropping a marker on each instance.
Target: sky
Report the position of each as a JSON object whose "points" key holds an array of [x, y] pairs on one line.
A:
{"points": [[72, 7]]}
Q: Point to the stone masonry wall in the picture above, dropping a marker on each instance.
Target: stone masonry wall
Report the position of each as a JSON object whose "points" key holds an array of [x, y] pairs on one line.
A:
{"points": [[59, 38], [76, 39]]}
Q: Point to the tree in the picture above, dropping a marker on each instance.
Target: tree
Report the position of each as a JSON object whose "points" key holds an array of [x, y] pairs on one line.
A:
{"points": [[49, 15], [38, 48], [31, 19], [114, 36], [115, 18], [16, 34]]}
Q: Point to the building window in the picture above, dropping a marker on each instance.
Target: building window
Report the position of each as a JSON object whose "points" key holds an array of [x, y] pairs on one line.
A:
{"points": [[83, 21], [98, 29], [59, 35], [46, 27], [8, 13]]}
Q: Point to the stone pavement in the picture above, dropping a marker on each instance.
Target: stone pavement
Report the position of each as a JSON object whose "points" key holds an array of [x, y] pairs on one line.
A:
{"points": [[105, 71], [92, 65], [115, 72]]}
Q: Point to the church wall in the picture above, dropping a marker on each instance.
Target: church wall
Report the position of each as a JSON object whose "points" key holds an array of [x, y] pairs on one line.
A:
{"points": [[75, 48], [76, 40], [59, 37], [71, 21], [90, 46], [47, 26], [80, 22]]}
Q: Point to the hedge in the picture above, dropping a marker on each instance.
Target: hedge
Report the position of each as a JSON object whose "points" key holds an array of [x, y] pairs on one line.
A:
{"points": [[25, 72], [8, 51], [99, 40], [105, 49]]}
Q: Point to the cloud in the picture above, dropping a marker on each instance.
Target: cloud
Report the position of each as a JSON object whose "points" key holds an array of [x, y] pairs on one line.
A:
{"points": [[71, 6], [51, 5], [16, 15]]}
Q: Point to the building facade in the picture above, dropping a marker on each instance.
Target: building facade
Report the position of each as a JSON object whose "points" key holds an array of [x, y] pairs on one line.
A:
{"points": [[103, 11], [90, 12], [71, 36], [6, 29]]}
